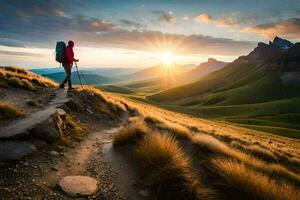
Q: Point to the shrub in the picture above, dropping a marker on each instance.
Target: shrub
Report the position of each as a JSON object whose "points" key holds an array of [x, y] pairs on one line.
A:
{"points": [[9, 111], [240, 181], [130, 133], [168, 169], [27, 85]]}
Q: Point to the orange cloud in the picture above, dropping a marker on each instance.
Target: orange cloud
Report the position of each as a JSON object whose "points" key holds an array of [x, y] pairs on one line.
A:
{"points": [[288, 28], [205, 18]]}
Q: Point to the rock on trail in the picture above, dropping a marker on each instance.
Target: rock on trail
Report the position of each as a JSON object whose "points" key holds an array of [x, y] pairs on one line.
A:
{"points": [[77, 186]]}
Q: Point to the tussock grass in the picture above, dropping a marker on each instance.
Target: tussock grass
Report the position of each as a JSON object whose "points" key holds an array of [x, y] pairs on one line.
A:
{"points": [[10, 72], [16, 70], [9, 111], [130, 133], [27, 85], [213, 145], [241, 182], [14, 81], [74, 130], [31, 102], [2, 74], [260, 152], [168, 169], [174, 128]]}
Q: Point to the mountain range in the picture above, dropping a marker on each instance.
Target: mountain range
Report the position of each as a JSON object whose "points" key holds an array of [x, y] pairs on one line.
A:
{"points": [[262, 87]]}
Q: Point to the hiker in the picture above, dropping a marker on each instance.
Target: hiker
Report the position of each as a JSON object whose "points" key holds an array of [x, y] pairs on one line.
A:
{"points": [[67, 64]]}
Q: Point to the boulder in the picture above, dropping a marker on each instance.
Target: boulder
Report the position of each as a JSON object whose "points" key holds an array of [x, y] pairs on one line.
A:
{"points": [[15, 150], [51, 129], [77, 186]]}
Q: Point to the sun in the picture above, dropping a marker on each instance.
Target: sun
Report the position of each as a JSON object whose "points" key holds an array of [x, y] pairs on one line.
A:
{"points": [[167, 58]]}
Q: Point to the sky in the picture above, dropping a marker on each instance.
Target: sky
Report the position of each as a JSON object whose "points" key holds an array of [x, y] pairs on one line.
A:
{"points": [[137, 33]]}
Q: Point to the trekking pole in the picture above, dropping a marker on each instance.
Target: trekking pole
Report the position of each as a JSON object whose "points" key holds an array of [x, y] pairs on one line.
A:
{"points": [[78, 74]]}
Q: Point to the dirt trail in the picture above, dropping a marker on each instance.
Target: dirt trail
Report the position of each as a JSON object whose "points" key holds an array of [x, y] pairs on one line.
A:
{"points": [[77, 159], [95, 157]]}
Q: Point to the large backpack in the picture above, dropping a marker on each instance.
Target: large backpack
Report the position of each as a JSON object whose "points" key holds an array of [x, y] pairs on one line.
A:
{"points": [[60, 52]]}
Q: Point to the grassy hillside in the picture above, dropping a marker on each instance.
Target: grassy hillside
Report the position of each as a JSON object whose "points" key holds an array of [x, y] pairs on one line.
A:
{"points": [[117, 89], [250, 92]]}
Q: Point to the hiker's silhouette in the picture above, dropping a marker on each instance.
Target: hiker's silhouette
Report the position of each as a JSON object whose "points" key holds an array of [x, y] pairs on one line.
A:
{"points": [[68, 64]]}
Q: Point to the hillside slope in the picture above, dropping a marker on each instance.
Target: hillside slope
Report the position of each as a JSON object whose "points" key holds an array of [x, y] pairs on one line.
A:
{"points": [[258, 91], [267, 73]]}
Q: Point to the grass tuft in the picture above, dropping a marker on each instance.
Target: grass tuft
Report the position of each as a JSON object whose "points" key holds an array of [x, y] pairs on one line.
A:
{"points": [[213, 145], [9, 111], [27, 85], [174, 128], [14, 81], [240, 181], [130, 133], [168, 170], [31, 102], [260, 152]]}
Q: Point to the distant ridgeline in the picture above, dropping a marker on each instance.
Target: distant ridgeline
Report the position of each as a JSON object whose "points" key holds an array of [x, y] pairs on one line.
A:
{"points": [[271, 71], [260, 91]]}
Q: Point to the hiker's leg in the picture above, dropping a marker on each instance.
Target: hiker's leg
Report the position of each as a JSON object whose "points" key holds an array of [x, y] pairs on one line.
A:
{"points": [[66, 78], [69, 76]]}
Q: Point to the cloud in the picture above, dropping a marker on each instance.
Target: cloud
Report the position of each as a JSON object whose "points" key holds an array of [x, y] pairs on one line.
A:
{"points": [[205, 18], [289, 28], [43, 30], [158, 41], [226, 20], [16, 53], [132, 24], [185, 18], [165, 16]]}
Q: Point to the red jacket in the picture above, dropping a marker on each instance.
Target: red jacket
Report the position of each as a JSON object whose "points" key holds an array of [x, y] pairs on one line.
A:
{"points": [[70, 54]]}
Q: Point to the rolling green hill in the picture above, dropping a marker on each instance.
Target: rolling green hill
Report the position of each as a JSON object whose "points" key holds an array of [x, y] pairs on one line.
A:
{"points": [[259, 91]]}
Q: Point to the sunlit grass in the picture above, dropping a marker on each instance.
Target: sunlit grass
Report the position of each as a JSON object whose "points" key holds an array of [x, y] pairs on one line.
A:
{"points": [[239, 181], [130, 133], [168, 169], [9, 111], [215, 146]]}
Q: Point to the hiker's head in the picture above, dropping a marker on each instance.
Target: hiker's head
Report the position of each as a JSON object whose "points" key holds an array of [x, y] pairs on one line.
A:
{"points": [[71, 43]]}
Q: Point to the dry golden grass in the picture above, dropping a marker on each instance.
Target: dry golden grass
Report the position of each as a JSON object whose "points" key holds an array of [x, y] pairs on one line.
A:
{"points": [[130, 133], [215, 146], [31, 102], [168, 169], [2, 74], [174, 128], [260, 152], [241, 182], [9, 111], [28, 85], [74, 130], [9, 72], [14, 81]]}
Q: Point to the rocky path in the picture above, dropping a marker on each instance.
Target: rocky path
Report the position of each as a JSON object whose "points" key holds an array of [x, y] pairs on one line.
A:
{"points": [[22, 125], [37, 177]]}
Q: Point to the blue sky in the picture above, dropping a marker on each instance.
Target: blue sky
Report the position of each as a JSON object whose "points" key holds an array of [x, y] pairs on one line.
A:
{"points": [[137, 32]]}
